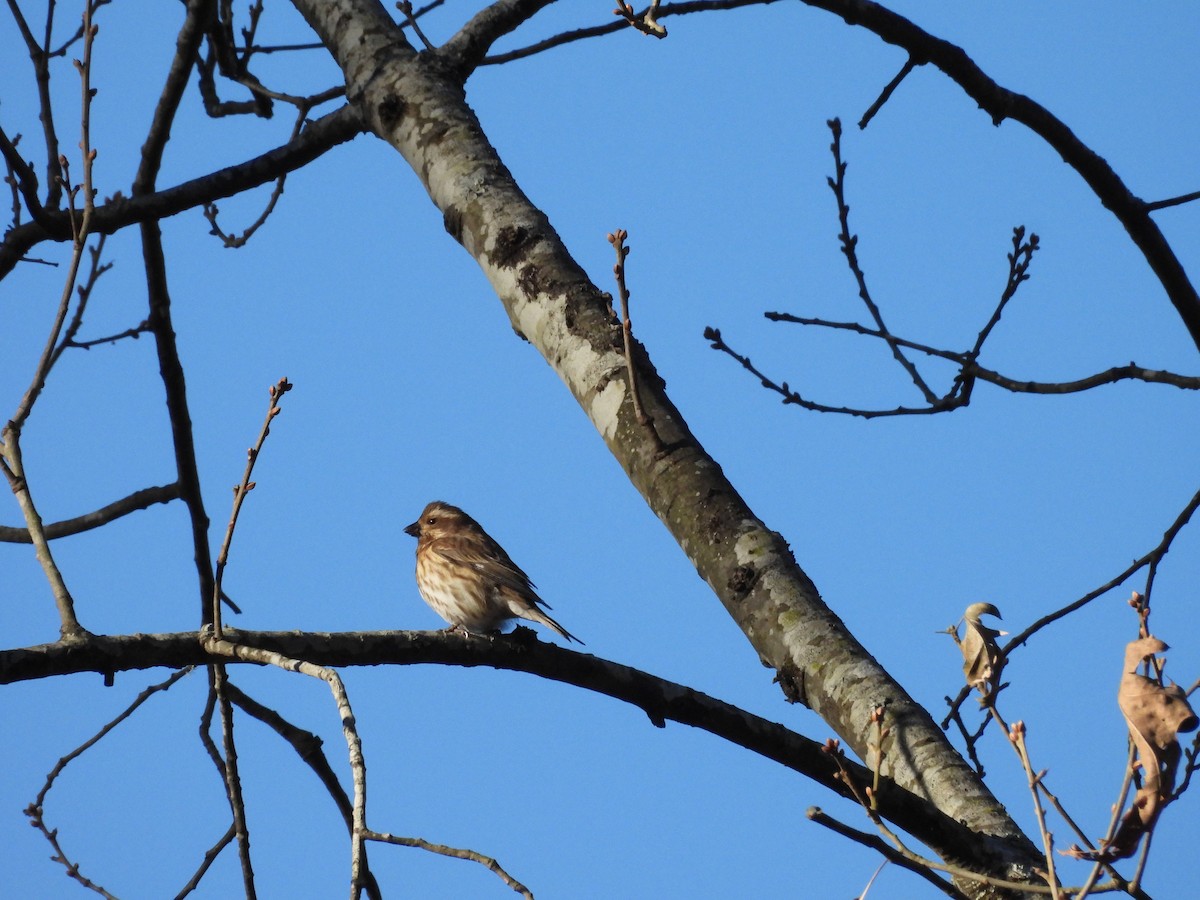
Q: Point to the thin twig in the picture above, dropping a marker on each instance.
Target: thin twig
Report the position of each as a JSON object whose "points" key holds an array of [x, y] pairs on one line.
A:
{"points": [[309, 748], [617, 239], [210, 856], [898, 857], [1173, 201], [1113, 375], [1153, 555], [849, 243], [1016, 736], [885, 95], [36, 810], [486, 861], [245, 653], [211, 210], [1018, 273], [407, 8], [233, 779], [95, 271], [240, 491]]}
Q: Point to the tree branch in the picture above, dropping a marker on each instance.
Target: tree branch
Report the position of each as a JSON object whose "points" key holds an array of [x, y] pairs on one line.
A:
{"points": [[551, 301], [661, 700], [999, 103], [320, 136], [142, 499], [466, 49]]}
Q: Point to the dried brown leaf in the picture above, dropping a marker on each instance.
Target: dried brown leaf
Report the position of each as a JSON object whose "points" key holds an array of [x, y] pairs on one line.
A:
{"points": [[1155, 714], [982, 658]]}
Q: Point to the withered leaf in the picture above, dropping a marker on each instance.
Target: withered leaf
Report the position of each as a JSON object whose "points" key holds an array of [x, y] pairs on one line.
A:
{"points": [[982, 659], [1155, 715]]}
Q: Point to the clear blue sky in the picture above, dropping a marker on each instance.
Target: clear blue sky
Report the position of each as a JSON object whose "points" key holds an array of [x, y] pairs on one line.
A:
{"points": [[711, 149]]}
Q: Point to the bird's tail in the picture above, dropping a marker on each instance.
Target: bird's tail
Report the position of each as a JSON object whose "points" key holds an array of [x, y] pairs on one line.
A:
{"points": [[534, 614]]}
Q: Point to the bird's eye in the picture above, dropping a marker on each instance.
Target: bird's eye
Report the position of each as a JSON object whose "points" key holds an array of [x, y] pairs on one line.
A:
{"points": [[431, 521]]}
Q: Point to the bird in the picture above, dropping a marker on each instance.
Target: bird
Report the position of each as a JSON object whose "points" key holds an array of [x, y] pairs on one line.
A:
{"points": [[468, 579]]}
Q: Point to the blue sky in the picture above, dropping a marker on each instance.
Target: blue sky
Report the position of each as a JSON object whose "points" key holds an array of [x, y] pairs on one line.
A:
{"points": [[711, 149]]}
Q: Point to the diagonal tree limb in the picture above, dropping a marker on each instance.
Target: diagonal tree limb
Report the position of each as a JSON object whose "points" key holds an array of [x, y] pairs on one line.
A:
{"points": [[309, 748], [423, 114]]}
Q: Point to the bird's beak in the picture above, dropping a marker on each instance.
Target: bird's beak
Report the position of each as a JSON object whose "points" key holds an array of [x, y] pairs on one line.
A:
{"points": [[414, 529]]}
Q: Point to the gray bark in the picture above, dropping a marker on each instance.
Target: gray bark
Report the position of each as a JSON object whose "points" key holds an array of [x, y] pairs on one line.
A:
{"points": [[416, 102]]}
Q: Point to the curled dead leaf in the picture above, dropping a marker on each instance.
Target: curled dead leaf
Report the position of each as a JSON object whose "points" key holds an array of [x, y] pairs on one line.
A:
{"points": [[982, 658], [1155, 714]]}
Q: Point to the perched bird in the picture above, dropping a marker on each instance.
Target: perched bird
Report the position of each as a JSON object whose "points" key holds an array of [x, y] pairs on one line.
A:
{"points": [[468, 579]]}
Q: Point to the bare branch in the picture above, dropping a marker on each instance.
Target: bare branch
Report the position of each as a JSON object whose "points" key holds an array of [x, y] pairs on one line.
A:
{"points": [[1150, 558], [36, 810], [1001, 104], [891, 854], [309, 748], [660, 699], [142, 499], [317, 138], [407, 8], [467, 48], [849, 247], [227, 649], [487, 862], [885, 95], [713, 336], [240, 491], [1173, 201], [1130, 372], [233, 778], [613, 27], [210, 856], [617, 239]]}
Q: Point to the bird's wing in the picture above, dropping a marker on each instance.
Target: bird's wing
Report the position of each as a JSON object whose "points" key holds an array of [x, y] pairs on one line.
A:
{"points": [[489, 559]]}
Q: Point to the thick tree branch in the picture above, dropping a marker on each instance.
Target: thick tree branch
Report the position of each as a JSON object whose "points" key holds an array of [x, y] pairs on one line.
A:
{"points": [[659, 699], [550, 300]]}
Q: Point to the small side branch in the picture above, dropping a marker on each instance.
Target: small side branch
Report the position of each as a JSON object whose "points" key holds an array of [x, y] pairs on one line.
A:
{"points": [[850, 248], [240, 491], [1173, 201], [617, 239], [486, 861], [137, 500], [36, 810], [647, 22], [887, 92]]}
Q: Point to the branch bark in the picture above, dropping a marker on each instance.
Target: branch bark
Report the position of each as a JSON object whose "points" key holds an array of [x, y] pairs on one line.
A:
{"points": [[659, 699], [327, 132], [135, 501], [999, 103], [414, 104]]}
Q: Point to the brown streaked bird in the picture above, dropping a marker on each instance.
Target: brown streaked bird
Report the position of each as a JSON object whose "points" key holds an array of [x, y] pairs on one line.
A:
{"points": [[468, 579]]}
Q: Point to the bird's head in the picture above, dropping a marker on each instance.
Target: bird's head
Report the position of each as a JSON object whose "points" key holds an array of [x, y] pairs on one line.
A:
{"points": [[436, 520]]}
